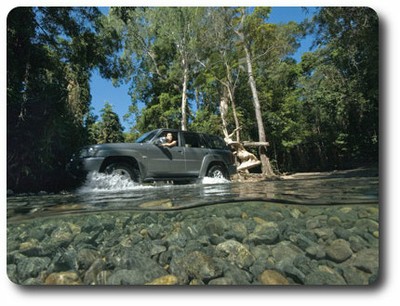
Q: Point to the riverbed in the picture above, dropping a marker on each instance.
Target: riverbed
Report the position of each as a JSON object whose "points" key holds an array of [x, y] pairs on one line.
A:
{"points": [[303, 229]]}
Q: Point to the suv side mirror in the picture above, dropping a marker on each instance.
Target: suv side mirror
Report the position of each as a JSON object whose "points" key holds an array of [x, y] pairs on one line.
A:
{"points": [[160, 141]]}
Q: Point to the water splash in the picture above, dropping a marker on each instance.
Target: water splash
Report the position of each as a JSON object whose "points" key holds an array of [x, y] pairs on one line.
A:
{"points": [[213, 180], [106, 182], [100, 182]]}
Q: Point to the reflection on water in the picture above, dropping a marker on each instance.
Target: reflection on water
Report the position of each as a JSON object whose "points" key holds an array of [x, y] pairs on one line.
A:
{"points": [[310, 229]]}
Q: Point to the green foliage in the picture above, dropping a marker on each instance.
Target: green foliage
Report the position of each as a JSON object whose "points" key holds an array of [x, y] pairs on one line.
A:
{"points": [[340, 85], [165, 114], [109, 129], [206, 122]]}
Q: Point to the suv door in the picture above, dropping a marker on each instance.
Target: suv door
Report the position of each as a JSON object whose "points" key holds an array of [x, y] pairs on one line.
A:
{"points": [[195, 149], [166, 162], [177, 161]]}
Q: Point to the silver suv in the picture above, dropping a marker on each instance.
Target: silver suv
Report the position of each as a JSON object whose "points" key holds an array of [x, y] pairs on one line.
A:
{"points": [[193, 156]]}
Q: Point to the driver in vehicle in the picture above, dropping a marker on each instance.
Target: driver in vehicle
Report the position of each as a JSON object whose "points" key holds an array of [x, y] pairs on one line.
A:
{"points": [[170, 142]]}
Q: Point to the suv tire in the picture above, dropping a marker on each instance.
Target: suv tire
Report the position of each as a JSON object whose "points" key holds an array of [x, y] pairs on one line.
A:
{"points": [[217, 171], [125, 170]]}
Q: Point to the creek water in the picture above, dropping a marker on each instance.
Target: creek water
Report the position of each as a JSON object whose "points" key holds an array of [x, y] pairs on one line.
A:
{"points": [[236, 231], [112, 193]]}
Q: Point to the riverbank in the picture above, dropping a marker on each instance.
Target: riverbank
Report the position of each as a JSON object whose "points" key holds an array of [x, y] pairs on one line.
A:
{"points": [[368, 171]]}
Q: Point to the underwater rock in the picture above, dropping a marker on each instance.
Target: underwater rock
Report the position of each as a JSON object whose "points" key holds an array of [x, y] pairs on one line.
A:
{"points": [[272, 277], [63, 278], [339, 250]]}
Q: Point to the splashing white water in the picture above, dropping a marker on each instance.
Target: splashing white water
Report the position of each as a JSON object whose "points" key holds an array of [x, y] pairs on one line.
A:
{"points": [[213, 180], [100, 182], [105, 182]]}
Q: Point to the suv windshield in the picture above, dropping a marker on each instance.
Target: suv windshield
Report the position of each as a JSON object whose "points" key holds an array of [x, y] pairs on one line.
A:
{"points": [[146, 137]]}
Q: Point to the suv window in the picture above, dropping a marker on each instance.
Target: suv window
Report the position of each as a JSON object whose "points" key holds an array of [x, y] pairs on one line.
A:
{"points": [[174, 136], [215, 142], [146, 137], [193, 140]]}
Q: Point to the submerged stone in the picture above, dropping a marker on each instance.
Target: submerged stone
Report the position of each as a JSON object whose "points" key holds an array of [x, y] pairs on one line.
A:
{"points": [[63, 278], [272, 277], [236, 253], [164, 280], [339, 250]]}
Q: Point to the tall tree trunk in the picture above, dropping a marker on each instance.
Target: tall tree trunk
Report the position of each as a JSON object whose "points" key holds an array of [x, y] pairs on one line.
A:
{"points": [[184, 93], [235, 117], [230, 86], [21, 116], [223, 106], [266, 166]]}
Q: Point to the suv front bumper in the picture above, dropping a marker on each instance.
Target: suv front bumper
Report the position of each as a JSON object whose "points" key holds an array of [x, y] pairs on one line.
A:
{"points": [[82, 166]]}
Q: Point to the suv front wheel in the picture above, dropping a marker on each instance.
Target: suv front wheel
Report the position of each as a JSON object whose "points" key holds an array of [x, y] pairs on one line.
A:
{"points": [[124, 170], [217, 171]]}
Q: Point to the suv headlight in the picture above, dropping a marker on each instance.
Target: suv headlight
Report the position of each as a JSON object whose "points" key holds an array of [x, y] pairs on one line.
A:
{"points": [[87, 152]]}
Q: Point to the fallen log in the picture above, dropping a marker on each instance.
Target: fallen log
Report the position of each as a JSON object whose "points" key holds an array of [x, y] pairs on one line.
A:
{"points": [[255, 144]]}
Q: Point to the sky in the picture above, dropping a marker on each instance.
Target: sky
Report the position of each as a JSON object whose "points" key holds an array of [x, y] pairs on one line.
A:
{"points": [[102, 90]]}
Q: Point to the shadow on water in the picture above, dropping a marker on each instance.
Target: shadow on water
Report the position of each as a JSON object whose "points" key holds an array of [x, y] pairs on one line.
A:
{"points": [[102, 193]]}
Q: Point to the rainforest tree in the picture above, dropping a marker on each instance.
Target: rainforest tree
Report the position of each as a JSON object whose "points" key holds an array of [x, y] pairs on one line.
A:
{"points": [[340, 86], [50, 52]]}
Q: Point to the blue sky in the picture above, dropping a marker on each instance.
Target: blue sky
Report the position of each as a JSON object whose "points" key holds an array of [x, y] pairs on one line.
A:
{"points": [[103, 91]]}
